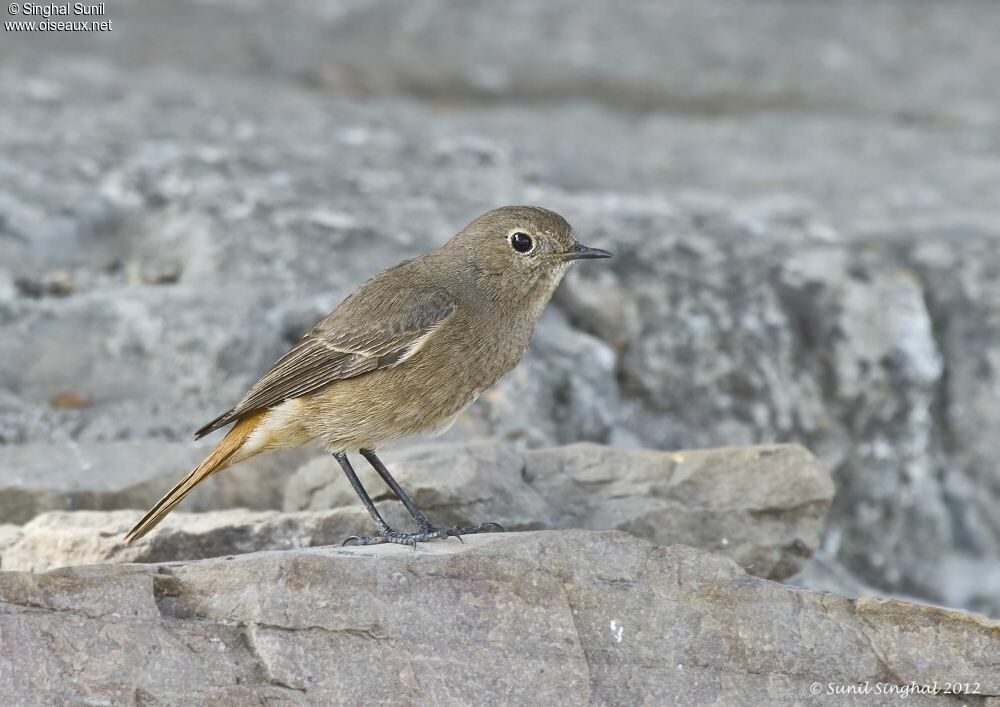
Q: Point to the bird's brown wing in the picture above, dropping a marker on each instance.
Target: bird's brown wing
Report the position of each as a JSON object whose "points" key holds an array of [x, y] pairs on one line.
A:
{"points": [[345, 345]]}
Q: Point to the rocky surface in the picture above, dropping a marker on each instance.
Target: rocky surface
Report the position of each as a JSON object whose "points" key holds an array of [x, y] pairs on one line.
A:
{"points": [[933, 61], [763, 507], [802, 198], [40, 477], [68, 538], [561, 618]]}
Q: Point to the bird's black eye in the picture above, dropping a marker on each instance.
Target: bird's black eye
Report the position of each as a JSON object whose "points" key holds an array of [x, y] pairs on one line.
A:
{"points": [[521, 242]]}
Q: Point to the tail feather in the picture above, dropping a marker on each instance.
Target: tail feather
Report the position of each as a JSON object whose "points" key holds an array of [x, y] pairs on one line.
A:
{"points": [[216, 461]]}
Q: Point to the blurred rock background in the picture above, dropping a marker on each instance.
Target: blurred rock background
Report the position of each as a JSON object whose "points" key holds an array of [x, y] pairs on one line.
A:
{"points": [[803, 199]]}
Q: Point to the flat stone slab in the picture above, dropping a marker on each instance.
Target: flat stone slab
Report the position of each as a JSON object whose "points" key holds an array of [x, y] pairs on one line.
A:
{"points": [[763, 506], [555, 618], [63, 538]]}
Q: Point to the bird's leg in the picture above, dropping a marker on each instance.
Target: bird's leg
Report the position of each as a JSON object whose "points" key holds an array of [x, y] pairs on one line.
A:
{"points": [[396, 489], [428, 531], [384, 531]]}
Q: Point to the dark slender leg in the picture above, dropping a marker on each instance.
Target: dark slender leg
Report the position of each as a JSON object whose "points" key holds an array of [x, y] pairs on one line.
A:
{"points": [[385, 533], [345, 464], [428, 531], [396, 489]]}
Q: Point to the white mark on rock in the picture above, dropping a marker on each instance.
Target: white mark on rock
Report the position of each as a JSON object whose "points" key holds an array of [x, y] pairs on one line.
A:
{"points": [[616, 631]]}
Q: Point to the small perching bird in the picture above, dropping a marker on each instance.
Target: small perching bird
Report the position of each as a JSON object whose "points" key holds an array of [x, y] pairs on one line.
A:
{"points": [[404, 354]]}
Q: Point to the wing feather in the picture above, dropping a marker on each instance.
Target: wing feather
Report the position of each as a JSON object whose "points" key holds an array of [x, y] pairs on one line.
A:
{"points": [[334, 351]]}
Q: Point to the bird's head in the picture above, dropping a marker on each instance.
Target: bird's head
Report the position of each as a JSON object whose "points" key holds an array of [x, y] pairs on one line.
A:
{"points": [[521, 249]]}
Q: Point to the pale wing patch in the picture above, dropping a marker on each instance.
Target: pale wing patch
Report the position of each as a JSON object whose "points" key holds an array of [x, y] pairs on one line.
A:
{"points": [[419, 342]]}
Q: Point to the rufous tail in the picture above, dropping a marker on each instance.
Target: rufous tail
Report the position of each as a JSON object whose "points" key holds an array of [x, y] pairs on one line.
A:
{"points": [[216, 461]]}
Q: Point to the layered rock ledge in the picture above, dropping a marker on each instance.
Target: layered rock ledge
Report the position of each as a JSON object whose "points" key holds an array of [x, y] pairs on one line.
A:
{"points": [[556, 618], [761, 506]]}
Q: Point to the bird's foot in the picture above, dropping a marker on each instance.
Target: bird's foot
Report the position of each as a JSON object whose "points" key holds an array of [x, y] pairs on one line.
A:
{"points": [[424, 535], [455, 531]]}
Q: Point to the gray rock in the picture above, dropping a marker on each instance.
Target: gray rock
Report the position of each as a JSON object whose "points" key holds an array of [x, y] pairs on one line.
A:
{"points": [[618, 620], [130, 354], [801, 196], [762, 506], [797, 350], [822, 573], [888, 59], [64, 538], [9, 534], [40, 477]]}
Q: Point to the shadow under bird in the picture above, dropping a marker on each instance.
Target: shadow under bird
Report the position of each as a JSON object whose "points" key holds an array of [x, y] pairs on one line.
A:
{"points": [[405, 353]]}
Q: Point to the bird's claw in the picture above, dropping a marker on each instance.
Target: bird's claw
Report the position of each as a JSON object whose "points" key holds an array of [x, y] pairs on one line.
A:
{"points": [[457, 532], [424, 535]]}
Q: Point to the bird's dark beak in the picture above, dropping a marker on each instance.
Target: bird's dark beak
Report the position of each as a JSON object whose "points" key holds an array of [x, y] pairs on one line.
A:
{"points": [[584, 252]]}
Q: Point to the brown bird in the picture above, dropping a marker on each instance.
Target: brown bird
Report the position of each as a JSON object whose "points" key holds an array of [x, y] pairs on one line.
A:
{"points": [[405, 353]]}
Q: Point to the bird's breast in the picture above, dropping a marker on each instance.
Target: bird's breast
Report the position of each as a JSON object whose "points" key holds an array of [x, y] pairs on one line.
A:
{"points": [[480, 346]]}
